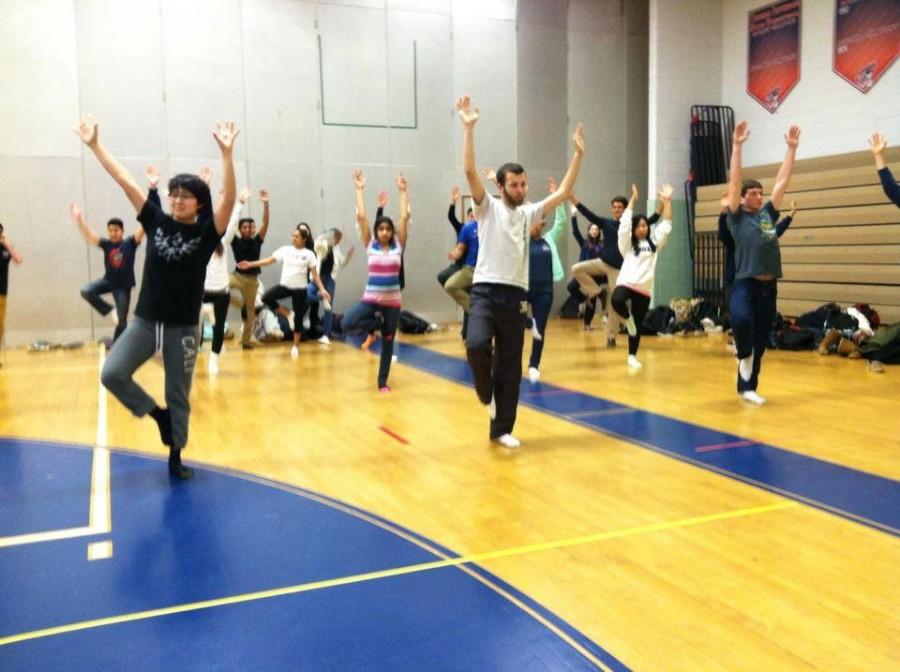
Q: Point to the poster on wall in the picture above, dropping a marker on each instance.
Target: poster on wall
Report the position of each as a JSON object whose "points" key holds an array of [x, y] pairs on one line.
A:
{"points": [[773, 53], [866, 40]]}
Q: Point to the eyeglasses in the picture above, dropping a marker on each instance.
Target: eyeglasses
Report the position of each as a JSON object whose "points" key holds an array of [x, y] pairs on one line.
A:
{"points": [[182, 195]]}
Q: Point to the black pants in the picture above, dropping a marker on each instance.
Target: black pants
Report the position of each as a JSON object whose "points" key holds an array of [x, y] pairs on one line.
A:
{"points": [[298, 299], [494, 349], [639, 304], [541, 304], [220, 301], [368, 317], [752, 314], [589, 306]]}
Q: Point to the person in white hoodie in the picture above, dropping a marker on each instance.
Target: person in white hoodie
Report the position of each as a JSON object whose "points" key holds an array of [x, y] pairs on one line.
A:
{"points": [[639, 247], [215, 287]]}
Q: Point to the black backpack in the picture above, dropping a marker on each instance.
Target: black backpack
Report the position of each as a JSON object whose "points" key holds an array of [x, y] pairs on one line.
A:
{"points": [[412, 324], [569, 310], [659, 320]]}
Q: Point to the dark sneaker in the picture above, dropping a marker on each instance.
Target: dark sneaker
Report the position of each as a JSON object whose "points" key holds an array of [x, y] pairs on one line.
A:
{"points": [[247, 346], [610, 342]]}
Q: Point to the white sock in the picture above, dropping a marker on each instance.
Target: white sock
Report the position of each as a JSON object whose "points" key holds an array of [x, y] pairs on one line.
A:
{"points": [[114, 317], [629, 325], [534, 331], [753, 397], [633, 362], [213, 363], [508, 441], [745, 368]]}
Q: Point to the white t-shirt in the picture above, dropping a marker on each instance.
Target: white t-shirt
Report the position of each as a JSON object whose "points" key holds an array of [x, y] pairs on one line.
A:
{"points": [[296, 263], [503, 240]]}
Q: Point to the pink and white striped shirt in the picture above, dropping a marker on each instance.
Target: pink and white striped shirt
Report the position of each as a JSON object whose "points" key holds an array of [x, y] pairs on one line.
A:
{"points": [[383, 283]]}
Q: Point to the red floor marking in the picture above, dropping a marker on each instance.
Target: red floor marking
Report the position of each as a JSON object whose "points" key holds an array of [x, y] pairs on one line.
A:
{"points": [[723, 446], [394, 435]]}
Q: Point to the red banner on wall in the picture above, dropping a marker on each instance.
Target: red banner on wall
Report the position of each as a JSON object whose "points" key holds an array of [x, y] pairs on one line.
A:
{"points": [[866, 39], [773, 58]]}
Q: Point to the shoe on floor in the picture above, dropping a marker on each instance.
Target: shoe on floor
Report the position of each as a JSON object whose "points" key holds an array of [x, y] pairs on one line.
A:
{"points": [[248, 345], [508, 441], [324, 340], [533, 374], [633, 362], [610, 342], [753, 397], [295, 351], [213, 364], [876, 367]]}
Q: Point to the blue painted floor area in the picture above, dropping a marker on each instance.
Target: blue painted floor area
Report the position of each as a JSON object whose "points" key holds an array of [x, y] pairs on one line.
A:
{"points": [[40, 491], [857, 495], [220, 535]]}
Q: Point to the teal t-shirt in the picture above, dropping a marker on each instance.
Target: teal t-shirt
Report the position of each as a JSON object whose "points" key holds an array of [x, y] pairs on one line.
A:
{"points": [[756, 250]]}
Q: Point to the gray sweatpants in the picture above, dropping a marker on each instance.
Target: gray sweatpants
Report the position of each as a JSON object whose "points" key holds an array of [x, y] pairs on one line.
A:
{"points": [[135, 346]]}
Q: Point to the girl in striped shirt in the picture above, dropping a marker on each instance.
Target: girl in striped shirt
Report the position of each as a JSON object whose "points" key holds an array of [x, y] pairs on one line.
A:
{"points": [[380, 304]]}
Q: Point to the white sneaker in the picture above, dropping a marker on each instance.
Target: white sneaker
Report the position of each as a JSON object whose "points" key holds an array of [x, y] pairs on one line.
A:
{"points": [[745, 368], [295, 351], [113, 316], [535, 334], [492, 409], [508, 441], [393, 359], [633, 362], [630, 326], [324, 340], [213, 364], [533, 374], [753, 397]]}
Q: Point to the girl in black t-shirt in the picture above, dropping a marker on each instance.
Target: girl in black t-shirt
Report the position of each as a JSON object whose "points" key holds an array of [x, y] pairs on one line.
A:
{"points": [[178, 248]]}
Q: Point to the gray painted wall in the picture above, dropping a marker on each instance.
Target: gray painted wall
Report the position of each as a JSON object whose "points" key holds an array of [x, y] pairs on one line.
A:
{"points": [[157, 74]]}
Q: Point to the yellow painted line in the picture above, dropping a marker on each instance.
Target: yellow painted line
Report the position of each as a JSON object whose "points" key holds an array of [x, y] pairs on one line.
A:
{"points": [[397, 571], [100, 550]]}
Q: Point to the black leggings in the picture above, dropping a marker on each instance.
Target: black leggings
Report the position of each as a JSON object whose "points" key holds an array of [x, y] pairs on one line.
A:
{"points": [[589, 306], [220, 301], [298, 299], [639, 305]]}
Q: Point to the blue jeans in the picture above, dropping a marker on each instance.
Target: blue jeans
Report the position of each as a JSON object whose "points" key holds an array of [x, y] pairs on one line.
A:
{"points": [[366, 317], [312, 293], [122, 296], [752, 308], [541, 303]]}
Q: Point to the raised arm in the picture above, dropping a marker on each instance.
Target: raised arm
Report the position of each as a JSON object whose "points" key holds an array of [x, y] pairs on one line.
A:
{"points": [[13, 253], [560, 215], [634, 198], [362, 222], [451, 213], [661, 233], [225, 134], [785, 222], [565, 187], [738, 138], [783, 179], [403, 224], [575, 231], [86, 232], [891, 189], [654, 218], [584, 210], [88, 131], [264, 199], [235, 216], [469, 115]]}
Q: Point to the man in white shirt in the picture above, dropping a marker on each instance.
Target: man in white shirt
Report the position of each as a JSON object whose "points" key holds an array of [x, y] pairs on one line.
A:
{"points": [[500, 283]]}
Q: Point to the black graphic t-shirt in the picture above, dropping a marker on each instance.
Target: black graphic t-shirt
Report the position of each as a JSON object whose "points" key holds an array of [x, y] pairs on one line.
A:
{"points": [[118, 260], [175, 266], [5, 258]]}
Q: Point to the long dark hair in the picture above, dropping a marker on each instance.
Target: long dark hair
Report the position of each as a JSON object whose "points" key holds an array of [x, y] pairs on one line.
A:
{"points": [[384, 219], [635, 243], [306, 230]]}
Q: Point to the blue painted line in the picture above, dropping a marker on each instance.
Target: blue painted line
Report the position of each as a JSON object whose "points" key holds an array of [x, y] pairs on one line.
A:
{"points": [[853, 494]]}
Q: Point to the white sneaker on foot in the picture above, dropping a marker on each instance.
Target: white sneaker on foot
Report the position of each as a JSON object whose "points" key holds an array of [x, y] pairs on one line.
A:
{"points": [[213, 364], [753, 397], [324, 340], [633, 362], [533, 374], [295, 351], [508, 441], [745, 368], [630, 326]]}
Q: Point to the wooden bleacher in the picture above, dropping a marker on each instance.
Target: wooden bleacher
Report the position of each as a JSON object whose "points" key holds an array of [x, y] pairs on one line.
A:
{"points": [[843, 245]]}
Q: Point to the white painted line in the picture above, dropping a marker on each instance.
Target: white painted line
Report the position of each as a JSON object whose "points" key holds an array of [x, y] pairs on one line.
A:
{"points": [[101, 515], [51, 535], [100, 550]]}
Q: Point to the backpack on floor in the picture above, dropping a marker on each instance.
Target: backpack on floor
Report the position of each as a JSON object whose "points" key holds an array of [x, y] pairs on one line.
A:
{"points": [[569, 310], [659, 320], [412, 324]]}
